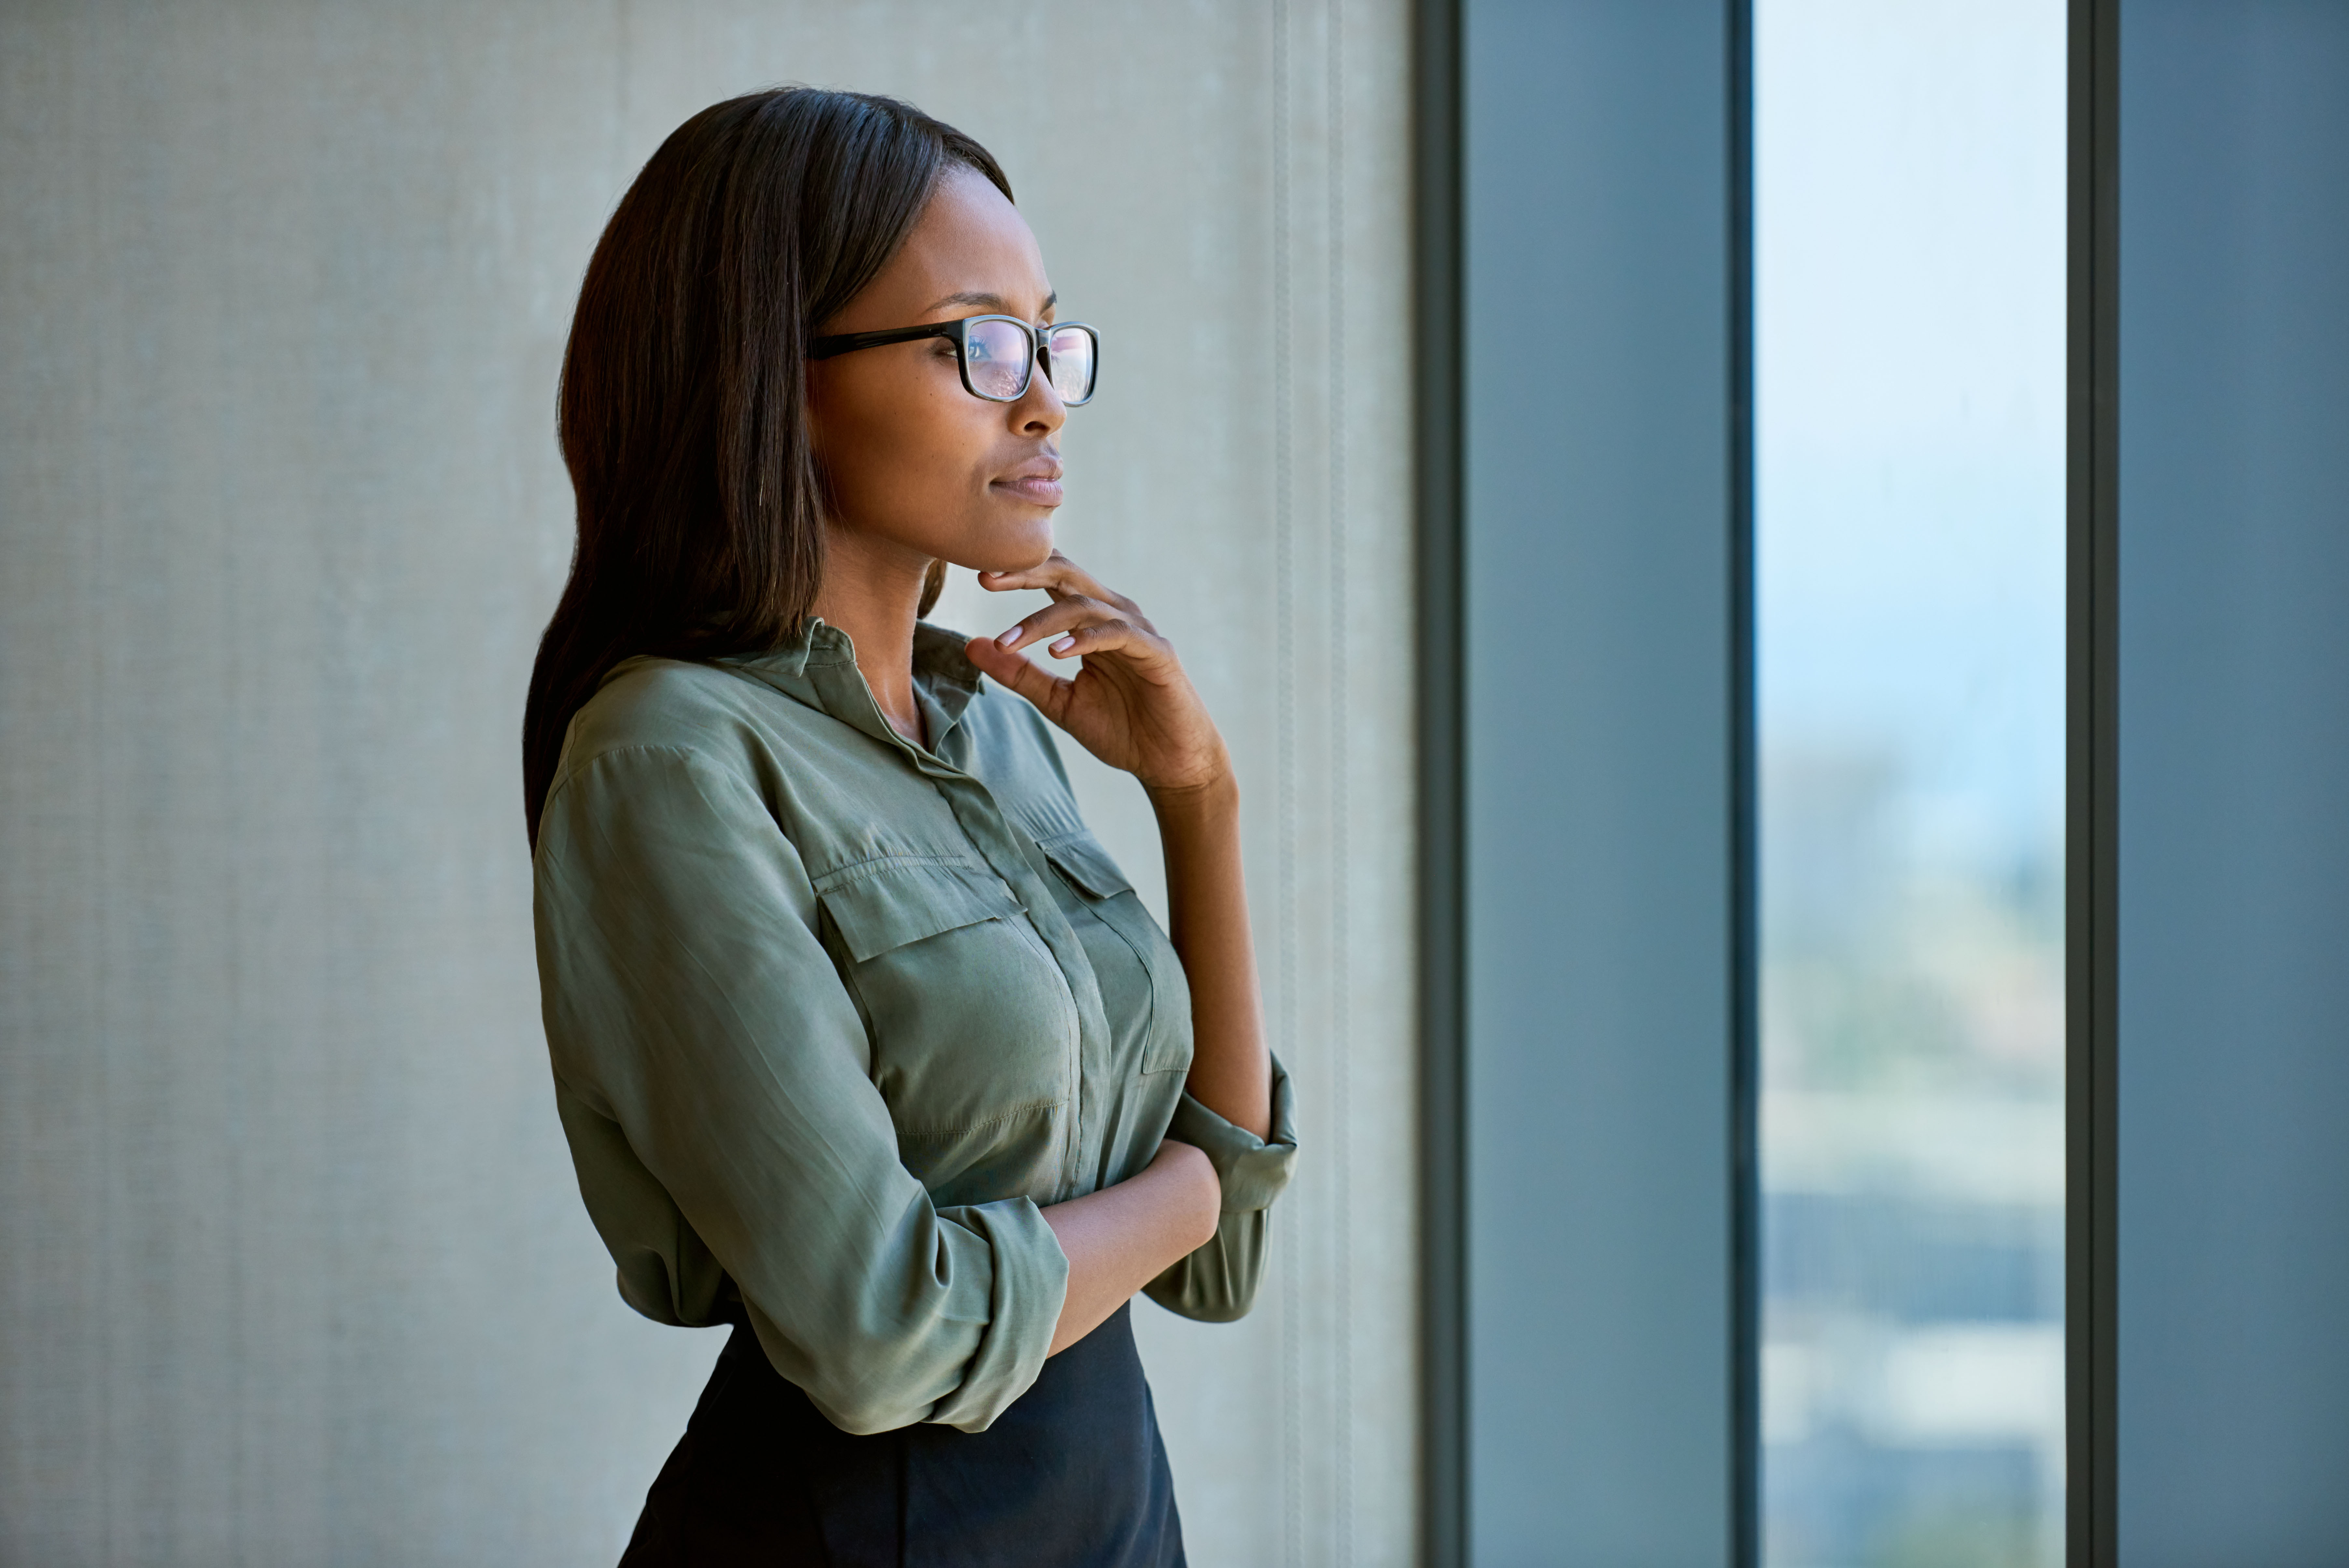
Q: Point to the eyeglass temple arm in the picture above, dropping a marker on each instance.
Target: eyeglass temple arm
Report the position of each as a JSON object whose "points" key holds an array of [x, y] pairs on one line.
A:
{"points": [[850, 342]]}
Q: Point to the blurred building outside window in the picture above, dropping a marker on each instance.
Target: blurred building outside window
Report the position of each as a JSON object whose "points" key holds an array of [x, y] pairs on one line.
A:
{"points": [[1909, 200]]}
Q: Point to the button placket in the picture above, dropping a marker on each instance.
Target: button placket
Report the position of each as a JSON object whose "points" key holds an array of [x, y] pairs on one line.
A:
{"points": [[984, 824], [844, 694]]}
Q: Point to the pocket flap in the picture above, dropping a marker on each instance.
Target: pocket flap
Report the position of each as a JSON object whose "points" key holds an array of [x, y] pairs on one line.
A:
{"points": [[1079, 857], [884, 904]]}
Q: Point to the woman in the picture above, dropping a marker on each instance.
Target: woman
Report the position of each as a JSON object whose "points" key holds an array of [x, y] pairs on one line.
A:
{"points": [[861, 1043]]}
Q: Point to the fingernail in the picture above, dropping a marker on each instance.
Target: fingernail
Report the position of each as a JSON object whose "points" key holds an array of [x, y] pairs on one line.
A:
{"points": [[1008, 639], [1065, 644]]}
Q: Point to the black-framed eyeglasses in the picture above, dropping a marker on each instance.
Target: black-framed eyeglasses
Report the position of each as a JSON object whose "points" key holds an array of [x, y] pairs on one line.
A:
{"points": [[998, 355]]}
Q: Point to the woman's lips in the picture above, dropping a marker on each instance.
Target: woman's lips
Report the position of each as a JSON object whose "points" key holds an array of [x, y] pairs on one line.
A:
{"points": [[1037, 489]]}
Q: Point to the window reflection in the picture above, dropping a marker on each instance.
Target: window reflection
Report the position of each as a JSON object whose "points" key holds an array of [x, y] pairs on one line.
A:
{"points": [[1909, 371]]}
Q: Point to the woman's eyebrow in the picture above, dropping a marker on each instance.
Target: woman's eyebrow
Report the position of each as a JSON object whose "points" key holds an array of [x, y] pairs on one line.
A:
{"points": [[992, 302]]}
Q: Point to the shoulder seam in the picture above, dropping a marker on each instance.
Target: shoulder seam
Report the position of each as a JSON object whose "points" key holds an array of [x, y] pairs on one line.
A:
{"points": [[563, 780]]}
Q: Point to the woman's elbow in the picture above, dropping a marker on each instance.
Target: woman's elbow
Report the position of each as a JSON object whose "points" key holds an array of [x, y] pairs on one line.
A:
{"points": [[867, 1408], [876, 1381], [1218, 1283]]}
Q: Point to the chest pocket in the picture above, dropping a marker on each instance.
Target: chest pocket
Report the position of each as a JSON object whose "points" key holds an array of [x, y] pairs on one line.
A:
{"points": [[882, 904], [1087, 868], [970, 1017]]}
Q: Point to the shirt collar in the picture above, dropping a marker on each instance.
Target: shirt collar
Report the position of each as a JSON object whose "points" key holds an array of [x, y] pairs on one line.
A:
{"points": [[817, 667]]}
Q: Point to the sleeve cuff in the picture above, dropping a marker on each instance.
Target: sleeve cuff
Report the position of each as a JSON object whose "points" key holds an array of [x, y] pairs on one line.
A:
{"points": [[1253, 1170], [1030, 1282]]}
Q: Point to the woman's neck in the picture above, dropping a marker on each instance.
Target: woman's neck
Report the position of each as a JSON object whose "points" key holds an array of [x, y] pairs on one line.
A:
{"points": [[873, 591]]}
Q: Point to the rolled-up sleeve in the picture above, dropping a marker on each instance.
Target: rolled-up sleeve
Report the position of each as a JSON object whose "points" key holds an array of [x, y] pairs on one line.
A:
{"points": [[1218, 1282], [713, 1074]]}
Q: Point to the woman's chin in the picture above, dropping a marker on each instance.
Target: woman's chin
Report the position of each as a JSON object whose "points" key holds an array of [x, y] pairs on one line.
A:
{"points": [[1024, 551]]}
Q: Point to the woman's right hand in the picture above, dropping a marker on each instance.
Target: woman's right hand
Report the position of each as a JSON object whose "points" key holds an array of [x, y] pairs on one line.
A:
{"points": [[1130, 704]]}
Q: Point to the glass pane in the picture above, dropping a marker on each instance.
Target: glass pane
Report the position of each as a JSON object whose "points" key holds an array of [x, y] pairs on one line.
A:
{"points": [[1910, 170]]}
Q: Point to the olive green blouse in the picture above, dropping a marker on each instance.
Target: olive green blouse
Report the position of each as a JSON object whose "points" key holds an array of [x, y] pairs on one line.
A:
{"points": [[832, 1014]]}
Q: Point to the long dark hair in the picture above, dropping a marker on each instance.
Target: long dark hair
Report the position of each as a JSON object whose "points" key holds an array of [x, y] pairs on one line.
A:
{"points": [[683, 410]]}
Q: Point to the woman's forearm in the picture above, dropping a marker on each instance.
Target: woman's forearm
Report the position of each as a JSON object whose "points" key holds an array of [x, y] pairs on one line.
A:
{"points": [[1120, 1238], [1207, 899]]}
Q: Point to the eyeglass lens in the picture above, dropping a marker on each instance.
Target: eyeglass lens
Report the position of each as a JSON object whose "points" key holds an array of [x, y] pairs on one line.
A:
{"points": [[999, 355], [1070, 350]]}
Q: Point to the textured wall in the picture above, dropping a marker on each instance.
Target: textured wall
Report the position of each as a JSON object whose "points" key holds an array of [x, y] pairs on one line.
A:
{"points": [[294, 1273]]}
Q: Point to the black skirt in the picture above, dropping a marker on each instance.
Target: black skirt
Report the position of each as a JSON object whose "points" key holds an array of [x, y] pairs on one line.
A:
{"points": [[1071, 1476]]}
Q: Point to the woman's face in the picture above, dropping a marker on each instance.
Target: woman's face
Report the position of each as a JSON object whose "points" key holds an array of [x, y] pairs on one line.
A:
{"points": [[911, 458]]}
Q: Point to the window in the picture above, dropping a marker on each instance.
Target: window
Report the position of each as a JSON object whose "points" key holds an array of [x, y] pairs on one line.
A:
{"points": [[1910, 555]]}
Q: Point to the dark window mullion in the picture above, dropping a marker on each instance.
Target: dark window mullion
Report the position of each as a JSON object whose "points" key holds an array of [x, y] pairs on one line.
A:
{"points": [[2092, 770]]}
